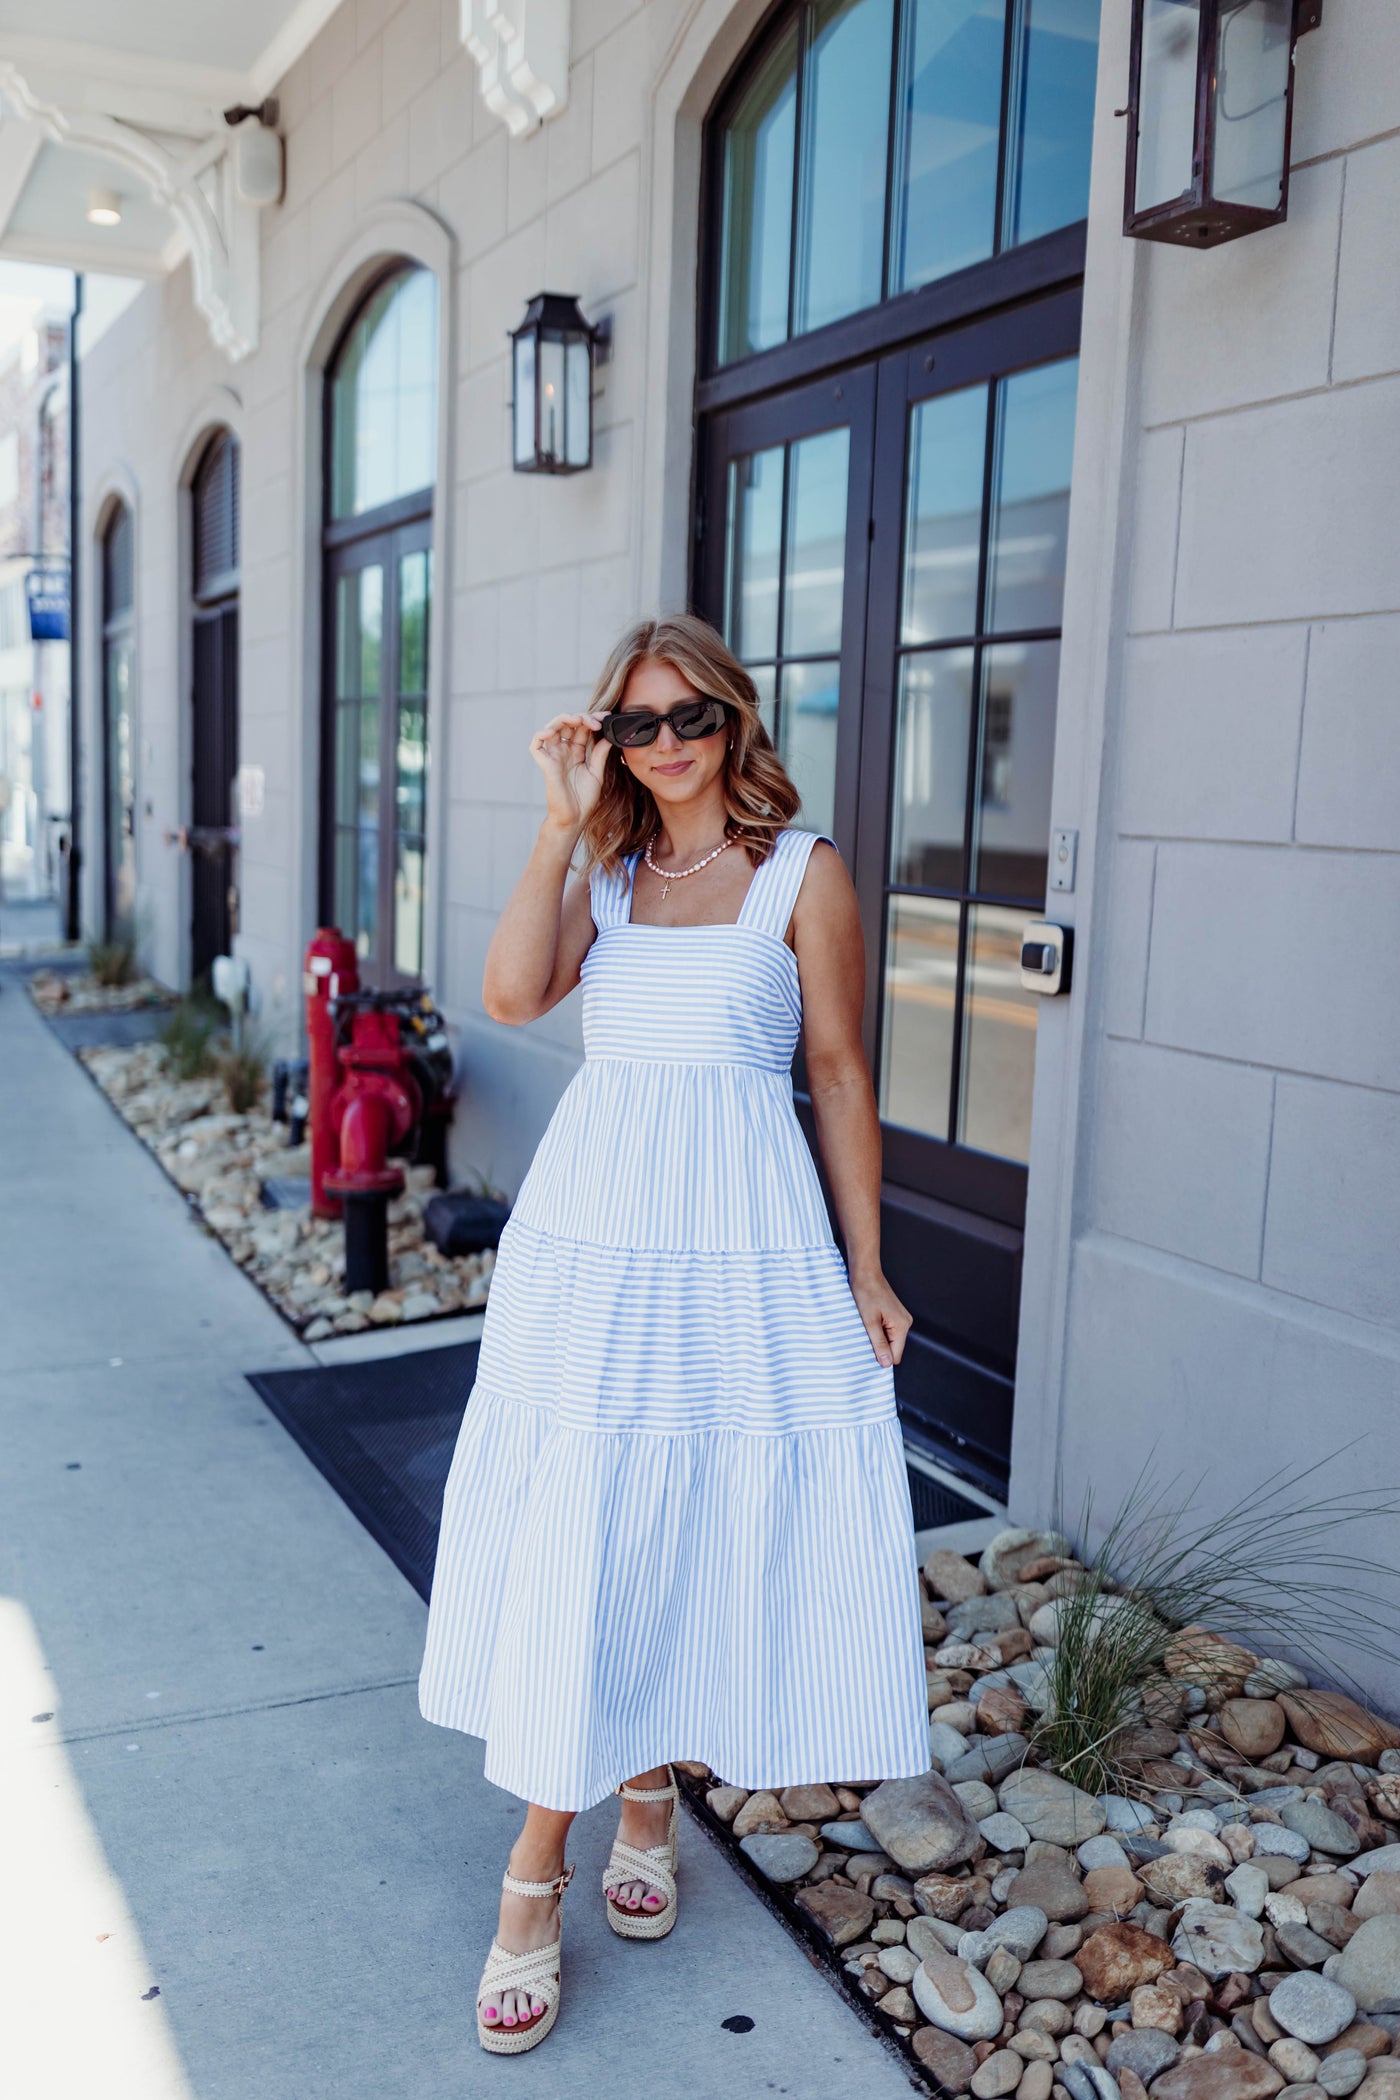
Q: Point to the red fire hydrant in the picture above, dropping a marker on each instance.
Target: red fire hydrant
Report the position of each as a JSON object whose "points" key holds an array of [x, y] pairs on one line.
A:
{"points": [[374, 1109], [330, 969]]}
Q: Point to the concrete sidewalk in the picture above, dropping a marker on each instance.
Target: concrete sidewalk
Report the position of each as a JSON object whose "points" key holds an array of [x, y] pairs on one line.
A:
{"points": [[237, 1865]]}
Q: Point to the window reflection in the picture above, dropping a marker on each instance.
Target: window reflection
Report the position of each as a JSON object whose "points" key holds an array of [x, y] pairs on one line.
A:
{"points": [[811, 695], [1055, 55], [920, 1005], [930, 782], [853, 89], [785, 581], [840, 242], [753, 548], [1011, 835], [815, 568], [943, 527], [950, 132], [998, 1051], [384, 398], [1030, 498]]}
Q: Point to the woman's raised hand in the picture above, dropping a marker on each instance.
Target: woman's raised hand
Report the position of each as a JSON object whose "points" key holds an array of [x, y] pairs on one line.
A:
{"points": [[571, 755]]}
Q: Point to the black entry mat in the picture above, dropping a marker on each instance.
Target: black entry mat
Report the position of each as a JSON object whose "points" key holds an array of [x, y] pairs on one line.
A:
{"points": [[383, 1434]]}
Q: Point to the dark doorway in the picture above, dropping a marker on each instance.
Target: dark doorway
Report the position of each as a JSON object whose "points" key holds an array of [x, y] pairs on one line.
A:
{"points": [[895, 193], [213, 844]]}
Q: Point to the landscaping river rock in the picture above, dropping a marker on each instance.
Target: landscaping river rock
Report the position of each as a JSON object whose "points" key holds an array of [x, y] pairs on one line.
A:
{"points": [[221, 1162], [1224, 1926]]}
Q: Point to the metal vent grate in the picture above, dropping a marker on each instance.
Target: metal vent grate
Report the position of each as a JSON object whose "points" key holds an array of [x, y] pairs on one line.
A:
{"points": [[936, 1503]]}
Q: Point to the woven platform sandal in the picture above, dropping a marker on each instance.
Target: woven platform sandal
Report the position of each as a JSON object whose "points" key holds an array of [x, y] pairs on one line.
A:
{"points": [[657, 1865], [538, 1972]]}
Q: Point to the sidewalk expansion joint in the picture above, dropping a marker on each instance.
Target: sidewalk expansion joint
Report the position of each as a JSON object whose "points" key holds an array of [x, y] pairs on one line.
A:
{"points": [[149, 1724]]}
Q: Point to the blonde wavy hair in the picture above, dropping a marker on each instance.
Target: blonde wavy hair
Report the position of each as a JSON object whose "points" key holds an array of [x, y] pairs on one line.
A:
{"points": [[759, 797]]}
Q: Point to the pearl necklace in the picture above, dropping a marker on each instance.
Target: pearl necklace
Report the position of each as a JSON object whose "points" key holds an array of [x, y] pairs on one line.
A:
{"points": [[670, 875]]}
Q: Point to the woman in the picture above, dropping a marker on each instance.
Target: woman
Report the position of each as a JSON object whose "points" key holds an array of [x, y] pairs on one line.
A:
{"points": [[677, 1523]]}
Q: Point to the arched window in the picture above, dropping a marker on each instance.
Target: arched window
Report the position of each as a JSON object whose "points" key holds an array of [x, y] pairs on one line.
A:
{"points": [[214, 499], [118, 736], [895, 196], [381, 452]]}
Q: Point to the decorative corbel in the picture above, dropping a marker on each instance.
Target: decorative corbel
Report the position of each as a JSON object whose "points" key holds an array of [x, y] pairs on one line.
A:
{"points": [[196, 179], [521, 48]]}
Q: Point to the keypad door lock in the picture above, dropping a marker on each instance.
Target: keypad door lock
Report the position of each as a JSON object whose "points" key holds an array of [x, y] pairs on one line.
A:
{"points": [[1045, 957]]}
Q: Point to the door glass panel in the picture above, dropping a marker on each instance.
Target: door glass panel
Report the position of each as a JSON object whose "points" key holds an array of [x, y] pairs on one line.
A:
{"points": [[930, 776], [818, 474], [920, 1006], [753, 547], [1011, 831], [841, 230], [411, 761], [974, 750], [121, 784], [785, 583], [1167, 108], [811, 694], [756, 236], [949, 130], [1050, 116], [943, 524], [1030, 498], [359, 666], [408, 908], [999, 1018]]}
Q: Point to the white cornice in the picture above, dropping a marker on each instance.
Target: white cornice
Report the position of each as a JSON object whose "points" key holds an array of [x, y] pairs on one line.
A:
{"points": [[521, 48]]}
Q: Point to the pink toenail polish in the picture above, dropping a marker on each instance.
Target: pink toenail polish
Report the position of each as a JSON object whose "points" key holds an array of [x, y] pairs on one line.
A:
{"points": [[491, 2013]]}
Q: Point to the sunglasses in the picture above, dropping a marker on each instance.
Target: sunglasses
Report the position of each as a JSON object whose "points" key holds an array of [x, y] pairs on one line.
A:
{"points": [[691, 719]]}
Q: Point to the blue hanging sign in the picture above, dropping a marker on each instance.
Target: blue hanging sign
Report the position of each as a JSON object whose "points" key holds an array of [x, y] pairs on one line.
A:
{"points": [[48, 605]]}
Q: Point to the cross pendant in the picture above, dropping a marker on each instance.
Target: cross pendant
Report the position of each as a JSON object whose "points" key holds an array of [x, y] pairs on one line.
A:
{"points": [[664, 887]]}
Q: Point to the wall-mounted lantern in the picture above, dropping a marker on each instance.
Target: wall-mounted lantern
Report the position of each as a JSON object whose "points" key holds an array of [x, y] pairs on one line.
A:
{"points": [[1210, 113], [552, 357]]}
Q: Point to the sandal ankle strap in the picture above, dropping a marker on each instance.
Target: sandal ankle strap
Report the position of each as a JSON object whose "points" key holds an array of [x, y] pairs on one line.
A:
{"points": [[538, 1888], [669, 1792]]}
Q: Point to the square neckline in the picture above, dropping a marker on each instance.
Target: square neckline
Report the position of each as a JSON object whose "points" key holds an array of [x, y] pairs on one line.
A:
{"points": [[704, 925]]}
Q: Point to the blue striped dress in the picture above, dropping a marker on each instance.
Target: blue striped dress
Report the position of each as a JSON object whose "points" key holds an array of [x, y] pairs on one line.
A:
{"points": [[677, 1522]]}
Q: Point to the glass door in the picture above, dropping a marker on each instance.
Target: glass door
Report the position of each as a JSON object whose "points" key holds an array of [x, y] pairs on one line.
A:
{"points": [[970, 510], [381, 590], [784, 561]]}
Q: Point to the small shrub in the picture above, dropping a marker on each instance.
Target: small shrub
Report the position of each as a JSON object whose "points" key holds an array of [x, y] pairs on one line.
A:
{"points": [[112, 963], [188, 1038], [1271, 1572], [243, 1070]]}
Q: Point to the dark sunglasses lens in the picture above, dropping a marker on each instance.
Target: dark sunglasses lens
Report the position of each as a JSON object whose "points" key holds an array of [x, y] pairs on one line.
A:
{"points": [[630, 729], [697, 718]]}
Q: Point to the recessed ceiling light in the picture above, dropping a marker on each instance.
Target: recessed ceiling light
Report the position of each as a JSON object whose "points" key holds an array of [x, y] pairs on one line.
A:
{"points": [[104, 208]]}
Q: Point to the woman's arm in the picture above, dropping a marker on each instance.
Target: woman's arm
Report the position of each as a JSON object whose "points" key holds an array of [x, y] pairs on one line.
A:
{"points": [[831, 964], [539, 943]]}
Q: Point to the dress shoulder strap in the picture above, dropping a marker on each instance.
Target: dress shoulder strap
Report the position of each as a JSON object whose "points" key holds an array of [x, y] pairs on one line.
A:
{"points": [[773, 891], [609, 895]]}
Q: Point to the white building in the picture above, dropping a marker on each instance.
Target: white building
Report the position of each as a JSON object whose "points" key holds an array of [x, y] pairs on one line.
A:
{"points": [[873, 319]]}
